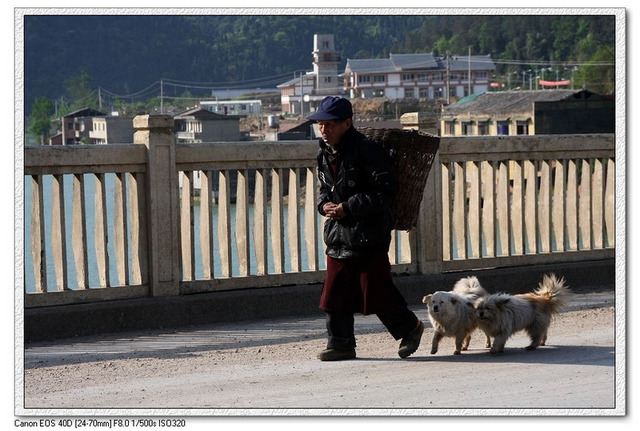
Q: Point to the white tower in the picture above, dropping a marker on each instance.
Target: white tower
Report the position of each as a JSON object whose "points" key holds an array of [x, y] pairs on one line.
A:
{"points": [[325, 65]]}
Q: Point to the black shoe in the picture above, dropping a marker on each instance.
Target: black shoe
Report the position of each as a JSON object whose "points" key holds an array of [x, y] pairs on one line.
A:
{"points": [[410, 343], [337, 354]]}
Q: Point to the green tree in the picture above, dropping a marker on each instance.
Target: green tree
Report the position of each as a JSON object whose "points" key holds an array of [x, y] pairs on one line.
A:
{"points": [[78, 89], [40, 118], [600, 75]]}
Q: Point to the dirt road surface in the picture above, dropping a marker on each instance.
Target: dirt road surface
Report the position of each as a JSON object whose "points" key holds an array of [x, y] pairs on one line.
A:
{"points": [[269, 368]]}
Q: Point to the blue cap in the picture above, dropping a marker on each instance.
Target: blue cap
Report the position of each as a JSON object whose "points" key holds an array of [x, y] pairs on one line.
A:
{"points": [[332, 108]]}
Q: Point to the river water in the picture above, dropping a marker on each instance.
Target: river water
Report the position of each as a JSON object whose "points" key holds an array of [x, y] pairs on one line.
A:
{"points": [[90, 217]]}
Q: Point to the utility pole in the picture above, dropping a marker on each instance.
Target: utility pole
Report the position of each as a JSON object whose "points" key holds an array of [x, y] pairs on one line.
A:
{"points": [[469, 76], [301, 95], [448, 60], [161, 98]]}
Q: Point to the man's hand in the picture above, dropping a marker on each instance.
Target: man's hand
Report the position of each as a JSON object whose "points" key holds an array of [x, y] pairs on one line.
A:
{"points": [[334, 211]]}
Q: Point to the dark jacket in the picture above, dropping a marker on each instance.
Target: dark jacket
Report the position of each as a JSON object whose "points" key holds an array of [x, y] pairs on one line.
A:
{"points": [[364, 182]]}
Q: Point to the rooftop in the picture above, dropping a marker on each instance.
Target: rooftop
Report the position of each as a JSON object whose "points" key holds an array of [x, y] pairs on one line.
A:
{"points": [[503, 101]]}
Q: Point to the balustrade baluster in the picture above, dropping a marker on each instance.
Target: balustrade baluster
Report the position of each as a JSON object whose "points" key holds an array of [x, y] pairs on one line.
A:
{"points": [[559, 204], [206, 224], [187, 226], [584, 211], [610, 204], [59, 233], [242, 223], [277, 217], [38, 244], [293, 220], [260, 237], [101, 234], [571, 203], [138, 223], [120, 228], [79, 232], [224, 223]]}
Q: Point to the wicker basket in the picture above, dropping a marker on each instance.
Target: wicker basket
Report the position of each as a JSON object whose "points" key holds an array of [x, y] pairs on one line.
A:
{"points": [[413, 154]]}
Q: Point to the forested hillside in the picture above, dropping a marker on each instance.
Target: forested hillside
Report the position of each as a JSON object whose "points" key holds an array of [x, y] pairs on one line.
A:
{"points": [[127, 54]]}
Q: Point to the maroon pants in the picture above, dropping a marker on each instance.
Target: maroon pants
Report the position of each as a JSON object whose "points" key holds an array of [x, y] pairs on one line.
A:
{"points": [[358, 285], [362, 285]]}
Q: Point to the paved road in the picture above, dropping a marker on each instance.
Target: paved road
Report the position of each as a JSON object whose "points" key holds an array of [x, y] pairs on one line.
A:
{"points": [[269, 367]]}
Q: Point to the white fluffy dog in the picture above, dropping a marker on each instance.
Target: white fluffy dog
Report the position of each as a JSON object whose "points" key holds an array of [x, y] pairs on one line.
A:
{"points": [[501, 315], [452, 314]]}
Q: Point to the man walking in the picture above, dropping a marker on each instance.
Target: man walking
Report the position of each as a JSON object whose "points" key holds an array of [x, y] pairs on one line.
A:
{"points": [[357, 188]]}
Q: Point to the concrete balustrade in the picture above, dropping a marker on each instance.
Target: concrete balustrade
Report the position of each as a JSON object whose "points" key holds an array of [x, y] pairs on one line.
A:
{"points": [[192, 218]]}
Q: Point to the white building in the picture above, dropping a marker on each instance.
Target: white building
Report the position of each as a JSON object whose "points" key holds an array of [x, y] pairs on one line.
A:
{"points": [[418, 76], [309, 88], [401, 76], [233, 107]]}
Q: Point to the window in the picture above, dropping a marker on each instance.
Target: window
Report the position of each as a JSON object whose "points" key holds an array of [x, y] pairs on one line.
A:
{"points": [[467, 128], [379, 78], [423, 93], [408, 93], [423, 77], [503, 128], [438, 93], [483, 127], [450, 127], [522, 128], [193, 126], [364, 78], [480, 75], [436, 76], [407, 76]]}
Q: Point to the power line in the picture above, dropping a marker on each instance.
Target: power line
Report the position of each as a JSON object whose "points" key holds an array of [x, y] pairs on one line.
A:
{"points": [[220, 84], [155, 88], [143, 91]]}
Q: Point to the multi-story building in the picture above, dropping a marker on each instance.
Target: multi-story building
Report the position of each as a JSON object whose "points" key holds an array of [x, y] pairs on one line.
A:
{"points": [[401, 76], [309, 88], [418, 76], [529, 113], [75, 127], [233, 107], [111, 129], [202, 125]]}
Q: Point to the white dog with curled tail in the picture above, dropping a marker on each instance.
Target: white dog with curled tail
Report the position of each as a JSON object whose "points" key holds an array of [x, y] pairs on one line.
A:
{"points": [[452, 314], [501, 315]]}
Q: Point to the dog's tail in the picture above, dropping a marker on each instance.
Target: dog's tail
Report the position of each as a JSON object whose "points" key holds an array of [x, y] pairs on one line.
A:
{"points": [[469, 286], [554, 291]]}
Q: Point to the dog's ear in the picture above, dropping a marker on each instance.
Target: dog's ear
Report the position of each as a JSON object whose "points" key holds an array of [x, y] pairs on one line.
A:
{"points": [[426, 299], [454, 301], [503, 301]]}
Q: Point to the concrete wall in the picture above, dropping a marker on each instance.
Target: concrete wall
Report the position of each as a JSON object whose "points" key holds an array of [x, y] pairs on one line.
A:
{"points": [[67, 321], [576, 116]]}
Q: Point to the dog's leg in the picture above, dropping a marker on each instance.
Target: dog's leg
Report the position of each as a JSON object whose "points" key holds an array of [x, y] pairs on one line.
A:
{"points": [[533, 346], [465, 342], [487, 341], [437, 336], [498, 343], [459, 343], [538, 337]]}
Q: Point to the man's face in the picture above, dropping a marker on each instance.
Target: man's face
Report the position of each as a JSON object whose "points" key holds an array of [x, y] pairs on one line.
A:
{"points": [[332, 130]]}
